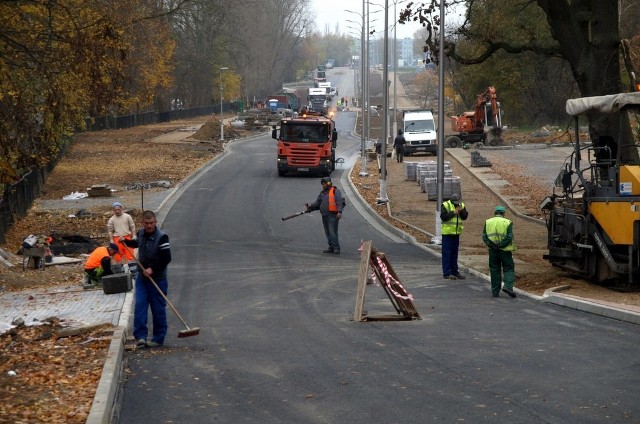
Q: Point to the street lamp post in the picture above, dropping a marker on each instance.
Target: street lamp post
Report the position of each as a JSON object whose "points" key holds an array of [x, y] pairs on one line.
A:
{"points": [[440, 133], [368, 73], [363, 153], [395, 72], [224, 68], [385, 77]]}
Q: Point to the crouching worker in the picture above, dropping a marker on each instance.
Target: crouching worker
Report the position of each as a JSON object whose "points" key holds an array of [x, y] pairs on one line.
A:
{"points": [[98, 265]]}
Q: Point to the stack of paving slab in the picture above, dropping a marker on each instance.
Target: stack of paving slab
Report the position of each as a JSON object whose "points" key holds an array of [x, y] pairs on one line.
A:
{"points": [[429, 171], [410, 170], [450, 185], [426, 173]]}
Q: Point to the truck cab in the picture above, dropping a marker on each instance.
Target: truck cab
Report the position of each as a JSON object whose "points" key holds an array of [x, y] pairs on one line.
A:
{"points": [[318, 100], [306, 144], [272, 104], [327, 86]]}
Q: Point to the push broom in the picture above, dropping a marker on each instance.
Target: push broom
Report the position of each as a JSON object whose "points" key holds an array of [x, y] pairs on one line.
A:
{"points": [[189, 332]]}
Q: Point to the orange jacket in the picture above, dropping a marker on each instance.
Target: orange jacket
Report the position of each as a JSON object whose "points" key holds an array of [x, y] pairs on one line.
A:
{"points": [[93, 261], [333, 206]]}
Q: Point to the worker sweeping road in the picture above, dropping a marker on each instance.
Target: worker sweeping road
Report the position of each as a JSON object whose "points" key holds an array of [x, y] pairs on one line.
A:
{"points": [[154, 255]]}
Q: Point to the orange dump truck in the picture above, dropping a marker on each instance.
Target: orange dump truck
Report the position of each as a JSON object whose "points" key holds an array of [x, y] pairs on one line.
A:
{"points": [[306, 144]]}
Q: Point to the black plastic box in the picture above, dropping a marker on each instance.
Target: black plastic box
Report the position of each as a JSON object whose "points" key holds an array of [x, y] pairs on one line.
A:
{"points": [[116, 283]]}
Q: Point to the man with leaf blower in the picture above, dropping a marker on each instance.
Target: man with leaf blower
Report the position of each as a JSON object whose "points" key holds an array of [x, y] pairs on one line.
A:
{"points": [[154, 254], [330, 204]]}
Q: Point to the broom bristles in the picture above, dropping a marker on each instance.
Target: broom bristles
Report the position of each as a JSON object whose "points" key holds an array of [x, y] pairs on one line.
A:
{"points": [[188, 333]]}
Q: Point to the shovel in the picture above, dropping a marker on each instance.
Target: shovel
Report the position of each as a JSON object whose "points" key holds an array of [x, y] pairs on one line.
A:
{"points": [[189, 332]]}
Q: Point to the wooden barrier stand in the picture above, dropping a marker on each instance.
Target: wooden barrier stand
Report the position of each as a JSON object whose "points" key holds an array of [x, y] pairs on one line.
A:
{"points": [[375, 264]]}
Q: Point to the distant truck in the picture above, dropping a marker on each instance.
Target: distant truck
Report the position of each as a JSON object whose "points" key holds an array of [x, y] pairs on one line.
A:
{"points": [[318, 100], [327, 86], [277, 101], [419, 131], [321, 75], [285, 100], [306, 144]]}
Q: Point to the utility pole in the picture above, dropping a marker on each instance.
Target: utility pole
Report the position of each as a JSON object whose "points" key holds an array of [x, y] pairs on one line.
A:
{"points": [[224, 68]]}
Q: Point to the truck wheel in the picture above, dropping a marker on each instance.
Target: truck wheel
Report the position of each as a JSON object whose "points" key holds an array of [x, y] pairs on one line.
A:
{"points": [[281, 173], [453, 141]]}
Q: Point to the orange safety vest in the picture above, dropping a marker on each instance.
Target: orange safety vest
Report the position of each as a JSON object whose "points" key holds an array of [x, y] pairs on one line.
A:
{"points": [[333, 207], [93, 261]]}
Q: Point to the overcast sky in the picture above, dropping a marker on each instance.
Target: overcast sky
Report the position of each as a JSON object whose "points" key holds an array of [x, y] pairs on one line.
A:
{"points": [[333, 11]]}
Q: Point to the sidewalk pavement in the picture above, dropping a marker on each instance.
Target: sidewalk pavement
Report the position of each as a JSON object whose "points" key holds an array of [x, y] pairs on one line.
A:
{"points": [[73, 304]]}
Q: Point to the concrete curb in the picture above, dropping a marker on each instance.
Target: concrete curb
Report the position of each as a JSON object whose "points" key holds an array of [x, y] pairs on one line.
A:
{"points": [[554, 296], [104, 399]]}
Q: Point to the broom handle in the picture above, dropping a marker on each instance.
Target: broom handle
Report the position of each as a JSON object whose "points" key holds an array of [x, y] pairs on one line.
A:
{"points": [[158, 288]]}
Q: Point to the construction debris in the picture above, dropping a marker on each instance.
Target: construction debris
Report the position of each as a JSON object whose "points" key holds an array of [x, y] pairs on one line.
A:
{"points": [[99, 190]]}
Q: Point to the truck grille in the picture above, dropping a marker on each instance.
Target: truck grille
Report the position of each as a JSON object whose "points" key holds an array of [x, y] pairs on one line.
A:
{"points": [[305, 155]]}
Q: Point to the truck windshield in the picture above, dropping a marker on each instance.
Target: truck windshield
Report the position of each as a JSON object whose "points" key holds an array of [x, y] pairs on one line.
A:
{"points": [[419, 126], [305, 133]]}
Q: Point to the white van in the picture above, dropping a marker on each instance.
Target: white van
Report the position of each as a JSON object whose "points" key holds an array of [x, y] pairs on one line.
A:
{"points": [[419, 131]]}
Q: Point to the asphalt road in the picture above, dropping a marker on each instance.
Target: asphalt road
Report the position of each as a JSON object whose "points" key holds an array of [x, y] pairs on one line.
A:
{"points": [[278, 344]]}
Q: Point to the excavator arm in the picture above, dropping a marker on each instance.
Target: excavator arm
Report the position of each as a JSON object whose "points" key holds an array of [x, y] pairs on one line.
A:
{"points": [[488, 97]]}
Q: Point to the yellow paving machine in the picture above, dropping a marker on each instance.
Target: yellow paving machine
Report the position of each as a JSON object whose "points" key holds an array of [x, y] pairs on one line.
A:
{"points": [[594, 223]]}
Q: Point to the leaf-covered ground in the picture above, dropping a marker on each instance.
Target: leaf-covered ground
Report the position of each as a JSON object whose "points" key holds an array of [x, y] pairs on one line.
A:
{"points": [[44, 378]]}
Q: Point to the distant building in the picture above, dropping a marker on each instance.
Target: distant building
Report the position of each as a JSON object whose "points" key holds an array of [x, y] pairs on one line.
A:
{"points": [[406, 51]]}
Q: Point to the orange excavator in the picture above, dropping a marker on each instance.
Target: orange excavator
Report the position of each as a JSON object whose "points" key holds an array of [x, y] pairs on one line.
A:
{"points": [[484, 125]]}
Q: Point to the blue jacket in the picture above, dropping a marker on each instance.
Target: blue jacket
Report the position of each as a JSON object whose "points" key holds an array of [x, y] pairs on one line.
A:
{"points": [[154, 251]]}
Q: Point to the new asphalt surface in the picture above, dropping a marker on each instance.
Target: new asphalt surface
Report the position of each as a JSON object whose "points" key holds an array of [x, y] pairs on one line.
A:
{"points": [[93, 306]]}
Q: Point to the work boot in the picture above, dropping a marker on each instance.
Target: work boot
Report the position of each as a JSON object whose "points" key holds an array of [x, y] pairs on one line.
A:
{"points": [[86, 282], [329, 250], [460, 276], [509, 292], [141, 343], [151, 343]]}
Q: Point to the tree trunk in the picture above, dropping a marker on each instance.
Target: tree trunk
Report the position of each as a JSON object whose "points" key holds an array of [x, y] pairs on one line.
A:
{"points": [[589, 38]]}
